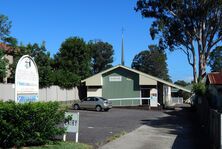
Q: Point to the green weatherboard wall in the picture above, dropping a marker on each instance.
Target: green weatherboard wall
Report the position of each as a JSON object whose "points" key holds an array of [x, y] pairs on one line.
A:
{"points": [[128, 87]]}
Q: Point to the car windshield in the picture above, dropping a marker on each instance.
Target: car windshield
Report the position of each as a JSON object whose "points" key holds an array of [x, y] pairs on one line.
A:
{"points": [[102, 98]]}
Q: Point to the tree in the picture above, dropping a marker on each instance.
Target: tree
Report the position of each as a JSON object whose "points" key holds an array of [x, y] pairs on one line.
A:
{"points": [[102, 55], [5, 26], [153, 62], [43, 62], [3, 64], [182, 83], [215, 60], [17, 54], [184, 94], [42, 59], [195, 27], [72, 61], [65, 78]]}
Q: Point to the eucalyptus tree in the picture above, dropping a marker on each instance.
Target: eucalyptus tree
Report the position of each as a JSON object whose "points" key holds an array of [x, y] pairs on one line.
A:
{"points": [[215, 60], [192, 26]]}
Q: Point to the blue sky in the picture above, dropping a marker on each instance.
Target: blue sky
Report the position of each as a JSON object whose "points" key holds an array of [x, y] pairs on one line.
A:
{"points": [[52, 21]]}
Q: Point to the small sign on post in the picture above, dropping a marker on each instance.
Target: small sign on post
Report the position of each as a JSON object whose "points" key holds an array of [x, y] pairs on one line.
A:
{"points": [[72, 125]]}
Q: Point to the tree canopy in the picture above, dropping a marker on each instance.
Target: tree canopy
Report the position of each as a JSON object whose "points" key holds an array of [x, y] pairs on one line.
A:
{"points": [[43, 62], [215, 60], [153, 62], [3, 64], [72, 62], [5, 26], [42, 59], [194, 27], [102, 55], [182, 83]]}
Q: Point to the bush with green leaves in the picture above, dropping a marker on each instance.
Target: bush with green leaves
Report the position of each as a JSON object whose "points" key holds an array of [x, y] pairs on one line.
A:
{"points": [[29, 123], [199, 89]]}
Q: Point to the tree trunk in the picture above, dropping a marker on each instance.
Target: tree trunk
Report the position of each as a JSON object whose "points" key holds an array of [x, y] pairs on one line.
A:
{"points": [[202, 66], [194, 69]]}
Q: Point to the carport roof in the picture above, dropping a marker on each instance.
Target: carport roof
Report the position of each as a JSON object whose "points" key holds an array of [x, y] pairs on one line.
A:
{"points": [[138, 72]]}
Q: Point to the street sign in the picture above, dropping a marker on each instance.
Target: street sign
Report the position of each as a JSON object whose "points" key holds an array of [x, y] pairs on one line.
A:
{"points": [[72, 125]]}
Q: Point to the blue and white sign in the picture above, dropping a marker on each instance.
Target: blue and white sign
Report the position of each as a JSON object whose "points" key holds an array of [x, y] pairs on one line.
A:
{"points": [[27, 98], [26, 80]]}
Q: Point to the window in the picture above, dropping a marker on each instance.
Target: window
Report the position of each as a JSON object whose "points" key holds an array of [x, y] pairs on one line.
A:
{"points": [[85, 99], [91, 99]]}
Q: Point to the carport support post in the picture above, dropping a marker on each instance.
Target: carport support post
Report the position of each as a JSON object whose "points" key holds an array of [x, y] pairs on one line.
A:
{"points": [[64, 137], [77, 137], [77, 132]]}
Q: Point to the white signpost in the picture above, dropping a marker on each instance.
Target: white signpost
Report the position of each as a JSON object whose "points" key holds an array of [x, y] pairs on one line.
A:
{"points": [[26, 80], [72, 125]]}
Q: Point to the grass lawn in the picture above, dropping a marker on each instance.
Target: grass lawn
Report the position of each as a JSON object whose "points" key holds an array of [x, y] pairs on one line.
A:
{"points": [[62, 145]]}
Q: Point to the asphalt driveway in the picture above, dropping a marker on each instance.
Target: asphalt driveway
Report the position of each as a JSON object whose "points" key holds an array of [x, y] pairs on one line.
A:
{"points": [[180, 126], [96, 127]]}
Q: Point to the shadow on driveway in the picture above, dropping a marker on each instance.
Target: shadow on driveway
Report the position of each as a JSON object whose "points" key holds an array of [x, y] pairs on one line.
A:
{"points": [[181, 122]]}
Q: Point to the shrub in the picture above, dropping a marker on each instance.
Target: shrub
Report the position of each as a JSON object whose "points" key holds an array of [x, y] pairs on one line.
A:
{"points": [[199, 89], [29, 123]]}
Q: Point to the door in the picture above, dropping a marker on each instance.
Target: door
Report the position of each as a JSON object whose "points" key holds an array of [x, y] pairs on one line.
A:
{"points": [[92, 102], [85, 102], [145, 93]]}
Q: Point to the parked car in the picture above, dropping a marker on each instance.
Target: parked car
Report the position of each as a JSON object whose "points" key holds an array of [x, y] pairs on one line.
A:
{"points": [[97, 103]]}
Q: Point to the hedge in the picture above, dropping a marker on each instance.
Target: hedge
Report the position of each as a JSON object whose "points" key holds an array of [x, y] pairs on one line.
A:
{"points": [[29, 123]]}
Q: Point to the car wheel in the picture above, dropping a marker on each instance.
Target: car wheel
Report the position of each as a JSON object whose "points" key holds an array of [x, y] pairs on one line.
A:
{"points": [[98, 108], [76, 107]]}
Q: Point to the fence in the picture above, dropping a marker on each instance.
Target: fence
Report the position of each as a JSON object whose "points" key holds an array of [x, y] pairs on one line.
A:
{"points": [[53, 93], [210, 120], [215, 129], [177, 100], [128, 101]]}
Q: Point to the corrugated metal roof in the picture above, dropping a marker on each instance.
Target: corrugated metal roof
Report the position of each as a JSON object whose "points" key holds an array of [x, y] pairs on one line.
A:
{"points": [[215, 78]]}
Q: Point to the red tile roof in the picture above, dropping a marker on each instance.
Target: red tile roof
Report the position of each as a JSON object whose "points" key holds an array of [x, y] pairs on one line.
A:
{"points": [[215, 78], [8, 49]]}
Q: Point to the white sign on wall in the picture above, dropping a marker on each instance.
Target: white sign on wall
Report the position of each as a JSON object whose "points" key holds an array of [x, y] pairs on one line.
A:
{"points": [[26, 80], [115, 78]]}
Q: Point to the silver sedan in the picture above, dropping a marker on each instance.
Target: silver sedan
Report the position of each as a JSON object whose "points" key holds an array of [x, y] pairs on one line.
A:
{"points": [[97, 103]]}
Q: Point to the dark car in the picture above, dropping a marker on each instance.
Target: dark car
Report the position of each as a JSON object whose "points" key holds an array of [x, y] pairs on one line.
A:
{"points": [[97, 103]]}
